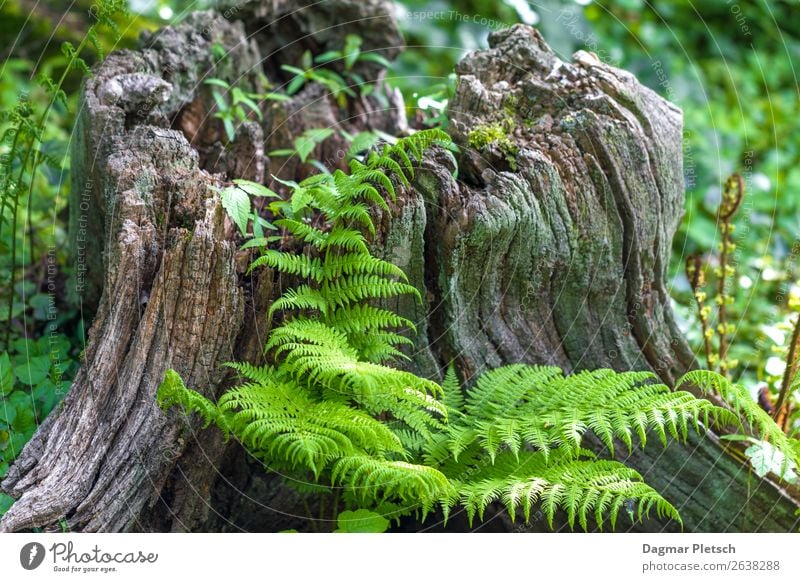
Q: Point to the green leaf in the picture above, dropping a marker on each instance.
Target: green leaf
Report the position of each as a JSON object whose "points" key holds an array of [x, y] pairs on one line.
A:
{"points": [[6, 501], [284, 153], [240, 97], [230, 132], [375, 58], [255, 189], [361, 521], [33, 370], [237, 204], [352, 49], [328, 56], [275, 97], [6, 375], [306, 143], [218, 83], [300, 199], [361, 142]]}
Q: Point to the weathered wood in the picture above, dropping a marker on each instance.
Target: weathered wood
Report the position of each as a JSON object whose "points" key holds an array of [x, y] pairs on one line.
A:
{"points": [[551, 247]]}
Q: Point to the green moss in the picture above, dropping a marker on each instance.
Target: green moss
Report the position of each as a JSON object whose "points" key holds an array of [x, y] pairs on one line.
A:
{"points": [[496, 133], [485, 135]]}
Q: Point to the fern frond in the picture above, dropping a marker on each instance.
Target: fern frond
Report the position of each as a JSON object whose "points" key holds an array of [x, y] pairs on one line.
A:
{"points": [[355, 289], [583, 488], [543, 408], [744, 407], [303, 297], [299, 265], [347, 239], [172, 391], [359, 264], [452, 394], [302, 231], [371, 478], [364, 318]]}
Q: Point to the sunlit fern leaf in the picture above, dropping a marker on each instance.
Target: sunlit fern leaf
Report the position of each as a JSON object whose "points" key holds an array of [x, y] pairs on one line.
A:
{"points": [[303, 297], [299, 265], [582, 487], [355, 289], [359, 264], [543, 408], [303, 232], [369, 476]]}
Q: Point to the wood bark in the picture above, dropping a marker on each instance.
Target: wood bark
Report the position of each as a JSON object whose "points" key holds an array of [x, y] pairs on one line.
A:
{"points": [[551, 246]]}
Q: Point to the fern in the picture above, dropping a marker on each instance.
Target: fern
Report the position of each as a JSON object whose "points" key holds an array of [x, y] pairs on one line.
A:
{"points": [[746, 408], [539, 406], [332, 407], [581, 486]]}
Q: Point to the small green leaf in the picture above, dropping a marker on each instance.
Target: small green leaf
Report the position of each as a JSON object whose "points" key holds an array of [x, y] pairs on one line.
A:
{"points": [[255, 189], [285, 153], [352, 49], [33, 370], [6, 501], [6, 375], [306, 143], [229, 129], [328, 56], [361, 521], [300, 199], [218, 83], [237, 204]]}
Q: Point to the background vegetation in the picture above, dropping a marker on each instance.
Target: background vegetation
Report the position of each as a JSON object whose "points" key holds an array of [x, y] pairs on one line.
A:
{"points": [[728, 65]]}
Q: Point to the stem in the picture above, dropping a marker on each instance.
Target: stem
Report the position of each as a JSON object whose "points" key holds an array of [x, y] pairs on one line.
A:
{"points": [[704, 328], [723, 299]]}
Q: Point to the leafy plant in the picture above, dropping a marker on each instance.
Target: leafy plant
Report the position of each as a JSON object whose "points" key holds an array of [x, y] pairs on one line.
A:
{"points": [[307, 73], [717, 356], [351, 54], [778, 443], [33, 379], [305, 143], [340, 86], [392, 442], [361, 521], [236, 202], [235, 106]]}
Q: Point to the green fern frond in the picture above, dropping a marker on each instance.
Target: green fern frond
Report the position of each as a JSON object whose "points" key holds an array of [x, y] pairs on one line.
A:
{"points": [[298, 265], [543, 408], [745, 408], [364, 318], [172, 391], [359, 264], [355, 289], [584, 488], [369, 477]]}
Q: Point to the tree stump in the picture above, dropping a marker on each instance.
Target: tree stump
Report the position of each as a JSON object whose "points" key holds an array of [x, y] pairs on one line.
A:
{"points": [[551, 247]]}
